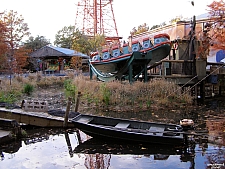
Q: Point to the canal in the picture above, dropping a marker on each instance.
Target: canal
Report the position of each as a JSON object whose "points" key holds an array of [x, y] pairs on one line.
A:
{"points": [[58, 149]]}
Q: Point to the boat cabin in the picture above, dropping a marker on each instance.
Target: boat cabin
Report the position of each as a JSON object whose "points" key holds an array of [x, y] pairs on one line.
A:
{"points": [[136, 46], [95, 56], [125, 48], [146, 43], [115, 51], [161, 38], [105, 54]]}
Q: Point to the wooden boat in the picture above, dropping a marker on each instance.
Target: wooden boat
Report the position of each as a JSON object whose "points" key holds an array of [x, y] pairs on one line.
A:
{"points": [[129, 130], [115, 59]]}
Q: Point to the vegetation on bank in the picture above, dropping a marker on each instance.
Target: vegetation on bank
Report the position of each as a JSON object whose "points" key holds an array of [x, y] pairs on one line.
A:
{"points": [[113, 96]]}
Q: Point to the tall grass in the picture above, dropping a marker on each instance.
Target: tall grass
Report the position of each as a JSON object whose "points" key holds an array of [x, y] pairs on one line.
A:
{"points": [[114, 95], [139, 95]]}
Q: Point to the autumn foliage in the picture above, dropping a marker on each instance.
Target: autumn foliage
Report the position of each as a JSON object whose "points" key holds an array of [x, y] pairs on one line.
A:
{"points": [[3, 45], [12, 30], [21, 59], [213, 34], [217, 24]]}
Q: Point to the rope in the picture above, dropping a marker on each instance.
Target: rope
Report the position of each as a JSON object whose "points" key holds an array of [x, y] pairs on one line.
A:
{"points": [[183, 85], [201, 80]]}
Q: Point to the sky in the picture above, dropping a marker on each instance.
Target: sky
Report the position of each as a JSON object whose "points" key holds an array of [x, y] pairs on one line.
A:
{"points": [[47, 17]]}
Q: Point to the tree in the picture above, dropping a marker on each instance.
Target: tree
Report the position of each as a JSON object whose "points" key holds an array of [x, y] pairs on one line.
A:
{"points": [[154, 27], [86, 44], [3, 45], [214, 31], [141, 28], [176, 19], [65, 36], [21, 59], [16, 30], [36, 43], [217, 24], [96, 43], [31, 45], [133, 31], [157, 26]]}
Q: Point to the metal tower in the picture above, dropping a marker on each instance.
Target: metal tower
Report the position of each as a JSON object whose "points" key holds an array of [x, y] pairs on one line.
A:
{"points": [[96, 17]]}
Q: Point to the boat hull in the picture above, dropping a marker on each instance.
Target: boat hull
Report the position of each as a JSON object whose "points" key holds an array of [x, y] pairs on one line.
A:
{"points": [[114, 129], [116, 65]]}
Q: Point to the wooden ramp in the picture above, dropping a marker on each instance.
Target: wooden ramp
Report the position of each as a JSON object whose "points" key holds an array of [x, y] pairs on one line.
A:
{"points": [[41, 119]]}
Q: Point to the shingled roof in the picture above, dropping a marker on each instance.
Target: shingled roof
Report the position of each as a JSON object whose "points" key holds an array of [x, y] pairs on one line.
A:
{"points": [[52, 51]]}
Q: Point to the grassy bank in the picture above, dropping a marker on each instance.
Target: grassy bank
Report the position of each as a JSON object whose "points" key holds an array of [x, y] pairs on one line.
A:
{"points": [[110, 96]]}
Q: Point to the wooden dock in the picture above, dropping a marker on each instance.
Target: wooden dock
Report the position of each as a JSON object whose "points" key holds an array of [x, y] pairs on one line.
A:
{"points": [[42, 119]]}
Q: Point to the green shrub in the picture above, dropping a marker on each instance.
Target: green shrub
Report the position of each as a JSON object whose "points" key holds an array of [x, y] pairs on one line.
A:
{"points": [[70, 89], [9, 97], [28, 89]]}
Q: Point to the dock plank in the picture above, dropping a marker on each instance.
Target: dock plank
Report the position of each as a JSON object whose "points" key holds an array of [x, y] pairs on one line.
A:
{"points": [[42, 119]]}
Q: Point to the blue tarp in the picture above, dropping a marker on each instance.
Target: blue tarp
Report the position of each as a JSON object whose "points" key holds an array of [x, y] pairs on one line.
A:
{"points": [[220, 55]]}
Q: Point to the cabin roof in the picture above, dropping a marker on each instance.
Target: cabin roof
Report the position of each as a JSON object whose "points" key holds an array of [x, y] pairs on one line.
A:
{"points": [[52, 51]]}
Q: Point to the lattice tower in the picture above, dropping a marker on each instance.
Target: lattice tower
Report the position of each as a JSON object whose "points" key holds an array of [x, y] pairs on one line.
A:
{"points": [[96, 17]]}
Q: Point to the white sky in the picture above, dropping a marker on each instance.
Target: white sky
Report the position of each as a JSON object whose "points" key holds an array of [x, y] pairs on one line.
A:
{"points": [[46, 17]]}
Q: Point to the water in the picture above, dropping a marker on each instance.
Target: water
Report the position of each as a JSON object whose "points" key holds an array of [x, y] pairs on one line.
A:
{"points": [[59, 149]]}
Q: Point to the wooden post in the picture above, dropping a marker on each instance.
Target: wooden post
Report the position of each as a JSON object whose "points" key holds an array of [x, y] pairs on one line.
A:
{"points": [[67, 112], [202, 90], [145, 73], [131, 73], [77, 102], [91, 72]]}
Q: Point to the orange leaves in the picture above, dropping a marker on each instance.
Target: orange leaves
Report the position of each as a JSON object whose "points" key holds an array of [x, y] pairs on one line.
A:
{"points": [[217, 19], [3, 46], [76, 62], [12, 31], [21, 56]]}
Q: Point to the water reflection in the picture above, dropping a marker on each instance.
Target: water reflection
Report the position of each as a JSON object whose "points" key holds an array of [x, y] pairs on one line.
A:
{"points": [[59, 149], [71, 149], [216, 128]]}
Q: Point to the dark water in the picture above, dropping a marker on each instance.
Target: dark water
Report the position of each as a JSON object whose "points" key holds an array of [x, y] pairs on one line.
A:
{"points": [[59, 149], [52, 150]]}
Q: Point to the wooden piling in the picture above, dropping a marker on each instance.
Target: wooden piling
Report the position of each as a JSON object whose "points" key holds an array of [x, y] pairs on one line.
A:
{"points": [[67, 112], [77, 101]]}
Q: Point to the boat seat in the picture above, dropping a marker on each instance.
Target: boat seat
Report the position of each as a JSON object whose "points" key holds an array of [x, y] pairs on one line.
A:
{"points": [[85, 120], [158, 131], [122, 125]]}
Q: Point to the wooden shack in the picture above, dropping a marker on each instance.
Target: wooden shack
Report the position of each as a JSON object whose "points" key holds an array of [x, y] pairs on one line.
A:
{"points": [[53, 59]]}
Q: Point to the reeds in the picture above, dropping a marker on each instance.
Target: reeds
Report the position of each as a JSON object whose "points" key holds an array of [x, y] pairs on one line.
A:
{"points": [[98, 95], [139, 95]]}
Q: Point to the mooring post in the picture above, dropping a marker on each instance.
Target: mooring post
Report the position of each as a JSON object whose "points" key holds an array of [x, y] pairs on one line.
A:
{"points": [[67, 112], [77, 102]]}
